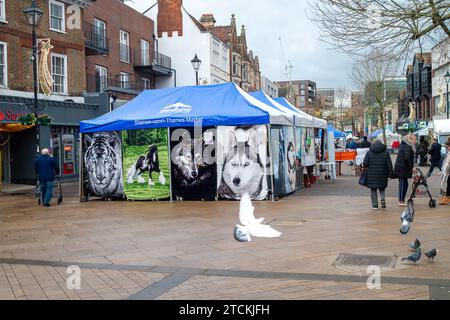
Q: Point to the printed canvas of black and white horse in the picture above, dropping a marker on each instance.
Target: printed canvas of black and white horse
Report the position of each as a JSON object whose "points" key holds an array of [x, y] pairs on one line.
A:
{"points": [[146, 163]]}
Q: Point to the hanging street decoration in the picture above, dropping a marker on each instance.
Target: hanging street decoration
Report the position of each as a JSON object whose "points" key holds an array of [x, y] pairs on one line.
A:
{"points": [[45, 77]]}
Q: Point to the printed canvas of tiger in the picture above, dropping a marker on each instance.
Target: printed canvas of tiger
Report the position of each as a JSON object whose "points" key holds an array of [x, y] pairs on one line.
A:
{"points": [[103, 164]]}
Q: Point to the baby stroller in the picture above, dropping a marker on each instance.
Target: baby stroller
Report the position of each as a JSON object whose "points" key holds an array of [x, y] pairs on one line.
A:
{"points": [[420, 180], [59, 190]]}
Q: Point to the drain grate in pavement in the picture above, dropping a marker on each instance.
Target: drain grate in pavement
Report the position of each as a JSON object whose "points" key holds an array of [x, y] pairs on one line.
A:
{"points": [[344, 259], [286, 222]]}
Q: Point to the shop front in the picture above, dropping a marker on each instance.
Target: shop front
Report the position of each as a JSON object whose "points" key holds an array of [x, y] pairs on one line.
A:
{"points": [[405, 127], [18, 142]]}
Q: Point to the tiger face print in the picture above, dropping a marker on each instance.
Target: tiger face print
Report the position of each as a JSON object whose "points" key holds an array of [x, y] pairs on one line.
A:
{"points": [[103, 164]]}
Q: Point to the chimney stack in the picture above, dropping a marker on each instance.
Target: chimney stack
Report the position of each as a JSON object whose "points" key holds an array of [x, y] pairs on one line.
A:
{"points": [[170, 18], [207, 20]]}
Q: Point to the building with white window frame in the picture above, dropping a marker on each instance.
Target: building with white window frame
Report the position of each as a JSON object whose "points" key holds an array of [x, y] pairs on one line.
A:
{"points": [[191, 38], [67, 104]]}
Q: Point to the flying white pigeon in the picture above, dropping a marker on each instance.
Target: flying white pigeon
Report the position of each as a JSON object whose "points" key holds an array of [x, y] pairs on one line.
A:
{"points": [[250, 226]]}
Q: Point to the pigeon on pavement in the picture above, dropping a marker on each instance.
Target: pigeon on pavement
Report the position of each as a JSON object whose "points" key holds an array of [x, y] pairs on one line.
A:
{"points": [[410, 206], [406, 215], [414, 257], [405, 227], [250, 226], [415, 245], [432, 254]]}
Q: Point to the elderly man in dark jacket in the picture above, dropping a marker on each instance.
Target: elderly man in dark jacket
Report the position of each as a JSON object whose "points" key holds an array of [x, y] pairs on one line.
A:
{"points": [[404, 166], [46, 168], [435, 153], [379, 164]]}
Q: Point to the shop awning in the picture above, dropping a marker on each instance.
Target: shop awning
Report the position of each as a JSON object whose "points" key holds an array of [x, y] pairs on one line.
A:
{"points": [[216, 105]]}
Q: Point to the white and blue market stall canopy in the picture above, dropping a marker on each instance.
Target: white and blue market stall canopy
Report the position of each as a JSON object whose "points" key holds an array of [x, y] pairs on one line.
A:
{"points": [[264, 98], [208, 106], [308, 120]]}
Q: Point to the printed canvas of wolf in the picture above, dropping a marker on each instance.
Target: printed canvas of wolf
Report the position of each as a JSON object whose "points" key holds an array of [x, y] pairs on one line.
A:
{"points": [[102, 164], [146, 164], [194, 167], [242, 162]]}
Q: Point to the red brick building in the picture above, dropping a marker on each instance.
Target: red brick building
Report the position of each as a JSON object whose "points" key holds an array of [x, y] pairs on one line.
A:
{"points": [[122, 55], [62, 23], [68, 45]]}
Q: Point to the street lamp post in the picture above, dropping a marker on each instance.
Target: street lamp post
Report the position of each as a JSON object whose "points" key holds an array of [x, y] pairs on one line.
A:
{"points": [[34, 15], [447, 79], [196, 62]]}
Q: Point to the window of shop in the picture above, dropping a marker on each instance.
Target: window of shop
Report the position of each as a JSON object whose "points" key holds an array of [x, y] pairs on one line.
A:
{"points": [[3, 65], [2, 11], [101, 78], [145, 52], [100, 33], [64, 145], [59, 73], [124, 46], [125, 80], [57, 18], [146, 84]]}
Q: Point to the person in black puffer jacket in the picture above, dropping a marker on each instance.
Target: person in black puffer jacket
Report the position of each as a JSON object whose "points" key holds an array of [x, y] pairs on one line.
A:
{"points": [[379, 164], [435, 153], [404, 166]]}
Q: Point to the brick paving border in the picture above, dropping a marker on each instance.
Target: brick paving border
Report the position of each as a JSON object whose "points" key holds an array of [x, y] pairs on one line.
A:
{"points": [[439, 288]]}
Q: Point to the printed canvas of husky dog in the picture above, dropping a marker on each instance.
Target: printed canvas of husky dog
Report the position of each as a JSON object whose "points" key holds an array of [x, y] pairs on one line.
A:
{"points": [[146, 163], [278, 160], [194, 170], [242, 162], [102, 163]]}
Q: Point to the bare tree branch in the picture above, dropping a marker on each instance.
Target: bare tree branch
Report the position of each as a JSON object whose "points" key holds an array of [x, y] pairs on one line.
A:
{"points": [[394, 26], [371, 74]]}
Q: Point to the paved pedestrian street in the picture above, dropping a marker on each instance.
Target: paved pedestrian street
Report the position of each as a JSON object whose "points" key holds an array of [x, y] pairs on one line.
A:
{"points": [[186, 250]]}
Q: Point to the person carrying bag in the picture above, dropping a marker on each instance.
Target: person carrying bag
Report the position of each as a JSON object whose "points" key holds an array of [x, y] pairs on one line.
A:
{"points": [[379, 170]]}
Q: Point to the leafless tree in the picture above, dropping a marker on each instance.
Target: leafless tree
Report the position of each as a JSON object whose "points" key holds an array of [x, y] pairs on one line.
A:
{"points": [[397, 27], [341, 100], [371, 74]]}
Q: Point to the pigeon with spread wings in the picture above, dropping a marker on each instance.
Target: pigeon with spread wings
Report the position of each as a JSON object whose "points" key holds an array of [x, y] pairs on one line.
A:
{"points": [[250, 226]]}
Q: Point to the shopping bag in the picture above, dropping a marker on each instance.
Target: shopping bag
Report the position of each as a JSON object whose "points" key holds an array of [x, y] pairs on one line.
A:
{"points": [[363, 179]]}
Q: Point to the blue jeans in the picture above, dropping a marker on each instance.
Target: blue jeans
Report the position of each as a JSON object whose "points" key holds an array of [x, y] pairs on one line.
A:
{"points": [[402, 189], [46, 191]]}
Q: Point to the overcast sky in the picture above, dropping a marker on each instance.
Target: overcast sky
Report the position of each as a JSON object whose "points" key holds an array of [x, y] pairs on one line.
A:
{"points": [[268, 20]]}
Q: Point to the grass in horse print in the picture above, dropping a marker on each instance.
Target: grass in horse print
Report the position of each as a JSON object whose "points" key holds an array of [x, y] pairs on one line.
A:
{"points": [[138, 191]]}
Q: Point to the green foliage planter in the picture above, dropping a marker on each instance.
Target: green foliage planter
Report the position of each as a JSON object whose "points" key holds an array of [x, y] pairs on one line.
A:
{"points": [[45, 120], [30, 119], [27, 120]]}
